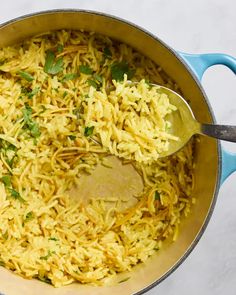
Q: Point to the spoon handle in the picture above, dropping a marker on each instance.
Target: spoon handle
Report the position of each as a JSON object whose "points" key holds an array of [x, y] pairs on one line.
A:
{"points": [[223, 132]]}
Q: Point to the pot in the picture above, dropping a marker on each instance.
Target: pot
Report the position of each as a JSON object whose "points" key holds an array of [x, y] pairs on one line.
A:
{"points": [[186, 70]]}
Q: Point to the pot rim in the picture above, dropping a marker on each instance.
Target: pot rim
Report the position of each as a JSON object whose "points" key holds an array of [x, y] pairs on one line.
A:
{"points": [[181, 59]]}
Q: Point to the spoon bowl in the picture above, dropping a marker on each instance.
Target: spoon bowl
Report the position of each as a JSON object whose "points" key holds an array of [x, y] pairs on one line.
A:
{"points": [[184, 125], [183, 122]]}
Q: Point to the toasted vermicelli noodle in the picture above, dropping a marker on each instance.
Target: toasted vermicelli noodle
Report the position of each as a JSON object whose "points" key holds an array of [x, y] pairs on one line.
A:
{"points": [[50, 112]]}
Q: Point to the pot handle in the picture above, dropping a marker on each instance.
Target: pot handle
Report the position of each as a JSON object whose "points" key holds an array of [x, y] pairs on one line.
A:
{"points": [[199, 63]]}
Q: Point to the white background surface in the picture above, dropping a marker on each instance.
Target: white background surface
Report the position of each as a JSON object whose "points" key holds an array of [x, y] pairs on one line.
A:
{"points": [[195, 27]]}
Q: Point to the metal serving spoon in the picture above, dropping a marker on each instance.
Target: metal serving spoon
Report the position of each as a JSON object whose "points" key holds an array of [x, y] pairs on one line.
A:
{"points": [[184, 124]]}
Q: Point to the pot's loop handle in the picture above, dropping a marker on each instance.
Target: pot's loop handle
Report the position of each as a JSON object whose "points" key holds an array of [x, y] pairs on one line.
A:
{"points": [[228, 164], [199, 63]]}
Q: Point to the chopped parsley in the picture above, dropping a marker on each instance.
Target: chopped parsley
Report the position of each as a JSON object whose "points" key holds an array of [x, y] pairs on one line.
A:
{"points": [[98, 78], [157, 196], [10, 161], [60, 48], [16, 195], [52, 65], [124, 280], [88, 131], [26, 76], [29, 216], [53, 239], [47, 256], [118, 69], [77, 112], [6, 180], [45, 280], [8, 150], [85, 70], [29, 123], [34, 129], [7, 146], [25, 90], [33, 92], [70, 76], [27, 112], [43, 109], [92, 83], [72, 137], [148, 83], [107, 53], [2, 263], [64, 94]]}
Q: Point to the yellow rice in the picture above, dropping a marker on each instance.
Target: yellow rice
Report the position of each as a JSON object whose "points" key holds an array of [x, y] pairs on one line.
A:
{"points": [[43, 233]]}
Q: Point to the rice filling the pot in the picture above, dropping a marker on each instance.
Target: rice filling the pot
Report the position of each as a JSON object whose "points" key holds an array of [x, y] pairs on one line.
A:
{"points": [[56, 103]]}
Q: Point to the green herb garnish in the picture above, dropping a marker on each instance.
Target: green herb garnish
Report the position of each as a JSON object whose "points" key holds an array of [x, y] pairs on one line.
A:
{"points": [[26, 76], [98, 78], [2, 263], [118, 69], [34, 130], [72, 137], [29, 216], [43, 109], [47, 256], [124, 280], [64, 94], [16, 195], [33, 92], [53, 239], [96, 82], [68, 77], [60, 48], [29, 123], [5, 147], [6, 179], [25, 90], [77, 112], [52, 65], [11, 147], [88, 131], [27, 112], [107, 53], [157, 196], [45, 280], [150, 85], [92, 83], [10, 161], [28, 92], [85, 70]]}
